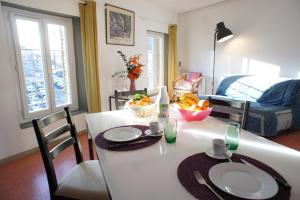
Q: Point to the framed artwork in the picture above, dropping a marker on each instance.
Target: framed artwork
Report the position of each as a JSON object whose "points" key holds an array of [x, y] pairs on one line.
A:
{"points": [[120, 25]]}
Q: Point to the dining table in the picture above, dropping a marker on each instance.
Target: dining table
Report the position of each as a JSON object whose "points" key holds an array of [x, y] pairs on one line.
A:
{"points": [[151, 173]]}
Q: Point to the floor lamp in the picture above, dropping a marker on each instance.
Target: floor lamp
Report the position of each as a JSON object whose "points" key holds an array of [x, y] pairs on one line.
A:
{"points": [[221, 35]]}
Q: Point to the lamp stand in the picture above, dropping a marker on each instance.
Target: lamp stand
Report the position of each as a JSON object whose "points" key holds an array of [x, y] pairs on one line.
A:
{"points": [[221, 34], [214, 63]]}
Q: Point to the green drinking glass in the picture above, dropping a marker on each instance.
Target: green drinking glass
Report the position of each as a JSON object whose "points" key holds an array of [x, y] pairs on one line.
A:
{"points": [[170, 131], [232, 135]]}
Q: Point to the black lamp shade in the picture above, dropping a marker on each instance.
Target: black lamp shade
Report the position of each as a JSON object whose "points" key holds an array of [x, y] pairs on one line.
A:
{"points": [[223, 33]]}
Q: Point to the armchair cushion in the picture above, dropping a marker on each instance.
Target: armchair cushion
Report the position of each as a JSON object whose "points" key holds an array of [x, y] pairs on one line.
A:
{"points": [[192, 76], [188, 81], [183, 85]]}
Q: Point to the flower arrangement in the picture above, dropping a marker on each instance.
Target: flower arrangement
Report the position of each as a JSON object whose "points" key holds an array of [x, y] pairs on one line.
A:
{"points": [[120, 74], [134, 67]]}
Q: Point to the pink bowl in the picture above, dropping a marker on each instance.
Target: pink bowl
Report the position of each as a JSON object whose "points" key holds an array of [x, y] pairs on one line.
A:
{"points": [[194, 115]]}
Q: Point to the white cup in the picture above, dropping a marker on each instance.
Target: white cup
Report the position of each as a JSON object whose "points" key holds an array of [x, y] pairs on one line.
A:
{"points": [[154, 127], [219, 147]]}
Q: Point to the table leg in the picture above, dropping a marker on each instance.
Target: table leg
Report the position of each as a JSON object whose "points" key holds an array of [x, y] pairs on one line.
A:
{"points": [[90, 143]]}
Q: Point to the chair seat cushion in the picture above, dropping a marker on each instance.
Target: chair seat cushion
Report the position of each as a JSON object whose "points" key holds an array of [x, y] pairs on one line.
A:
{"points": [[84, 181], [183, 85]]}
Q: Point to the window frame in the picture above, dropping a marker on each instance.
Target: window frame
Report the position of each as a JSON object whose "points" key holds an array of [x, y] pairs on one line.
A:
{"points": [[43, 19], [160, 59]]}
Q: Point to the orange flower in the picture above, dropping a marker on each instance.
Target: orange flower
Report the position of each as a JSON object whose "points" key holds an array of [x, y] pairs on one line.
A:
{"points": [[134, 67]]}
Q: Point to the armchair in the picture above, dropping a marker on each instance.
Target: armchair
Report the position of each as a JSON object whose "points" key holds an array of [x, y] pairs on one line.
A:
{"points": [[187, 82]]}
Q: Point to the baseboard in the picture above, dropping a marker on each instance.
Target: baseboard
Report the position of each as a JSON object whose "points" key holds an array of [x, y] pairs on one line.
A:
{"points": [[34, 150]]}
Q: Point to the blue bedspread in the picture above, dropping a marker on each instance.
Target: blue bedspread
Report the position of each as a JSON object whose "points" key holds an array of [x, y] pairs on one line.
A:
{"points": [[268, 120], [275, 103]]}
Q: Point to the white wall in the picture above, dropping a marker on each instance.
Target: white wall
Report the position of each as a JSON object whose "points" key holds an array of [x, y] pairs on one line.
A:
{"points": [[148, 16], [14, 140], [266, 37]]}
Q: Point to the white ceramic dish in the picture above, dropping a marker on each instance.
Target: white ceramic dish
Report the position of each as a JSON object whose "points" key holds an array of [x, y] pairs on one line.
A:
{"points": [[122, 134], [159, 133], [243, 180], [210, 153]]}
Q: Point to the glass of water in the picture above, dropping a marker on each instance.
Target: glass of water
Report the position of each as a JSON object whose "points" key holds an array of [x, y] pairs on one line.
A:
{"points": [[232, 135], [170, 131]]}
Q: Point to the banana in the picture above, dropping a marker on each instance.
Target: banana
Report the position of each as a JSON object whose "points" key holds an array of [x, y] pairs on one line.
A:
{"points": [[191, 96], [190, 101], [184, 105]]}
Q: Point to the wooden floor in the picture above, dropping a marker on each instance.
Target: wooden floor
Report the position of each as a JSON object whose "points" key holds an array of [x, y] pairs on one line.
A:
{"points": [[25, 178], [290, 139]]}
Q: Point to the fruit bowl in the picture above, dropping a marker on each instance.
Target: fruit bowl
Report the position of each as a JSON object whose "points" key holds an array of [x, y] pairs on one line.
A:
{"points": [[192, 108], [190, 115], [142, 111], [141, 105]]}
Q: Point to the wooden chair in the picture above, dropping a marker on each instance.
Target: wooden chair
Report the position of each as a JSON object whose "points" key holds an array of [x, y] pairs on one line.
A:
{"points": [[85, 180], [122, 96], [231, 110]]}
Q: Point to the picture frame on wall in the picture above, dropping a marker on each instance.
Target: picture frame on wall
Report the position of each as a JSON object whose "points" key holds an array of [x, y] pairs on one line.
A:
{"points": [[120, 26]]}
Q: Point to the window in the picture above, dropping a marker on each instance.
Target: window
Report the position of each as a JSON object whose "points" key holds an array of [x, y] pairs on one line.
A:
{"points": [[155, 47], [43, 51]]}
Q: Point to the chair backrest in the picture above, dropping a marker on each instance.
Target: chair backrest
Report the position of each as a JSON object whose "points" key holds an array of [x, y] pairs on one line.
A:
{"points": [[44, 140], [232, 110], [122, 96]]}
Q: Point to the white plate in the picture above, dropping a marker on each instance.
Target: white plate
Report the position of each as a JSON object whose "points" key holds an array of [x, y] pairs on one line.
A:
{"points": [[159, 133], [210, 153], [122, 134], [243, 180]]}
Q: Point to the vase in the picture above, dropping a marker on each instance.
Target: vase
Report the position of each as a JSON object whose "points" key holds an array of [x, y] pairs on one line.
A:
{"points": [[132, 85]]}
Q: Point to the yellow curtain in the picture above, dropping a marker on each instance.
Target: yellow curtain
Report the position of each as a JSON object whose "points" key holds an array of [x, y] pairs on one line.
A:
{"points": [[88, 24], [172, 58]]}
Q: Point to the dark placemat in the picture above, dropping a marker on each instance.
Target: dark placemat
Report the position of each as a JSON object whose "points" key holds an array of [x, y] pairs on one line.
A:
{"points": [[145, 141], [203, 163]]}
